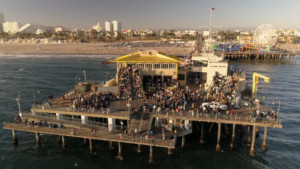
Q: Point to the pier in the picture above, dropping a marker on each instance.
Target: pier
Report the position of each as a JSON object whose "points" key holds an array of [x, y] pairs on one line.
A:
{"points": [[150, 112], [283, 57]]}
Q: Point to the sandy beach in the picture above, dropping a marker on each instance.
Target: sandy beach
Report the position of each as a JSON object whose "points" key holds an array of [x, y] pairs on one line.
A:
{"points": [[100, 48], [83, 48]]}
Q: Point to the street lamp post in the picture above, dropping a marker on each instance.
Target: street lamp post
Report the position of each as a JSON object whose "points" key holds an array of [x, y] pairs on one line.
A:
{"points": [[106, 74], [19, 106], [84, 74], [278, 109], [33, 93], [77, 77]]}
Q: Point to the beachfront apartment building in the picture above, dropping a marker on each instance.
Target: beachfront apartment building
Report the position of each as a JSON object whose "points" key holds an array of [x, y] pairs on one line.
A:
{"points": [[113, 27], [10, 27], [116, 26], [108, 27]]}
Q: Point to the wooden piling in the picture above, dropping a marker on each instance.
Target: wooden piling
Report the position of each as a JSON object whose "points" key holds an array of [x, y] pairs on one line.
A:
{"points": [[84, 141], [226, 129], [210, 128], [37, 139], [257, 131], [202, 134], [249, 136], [182, 142], [111, 145], [15, 139], [139, 148], [58, 138], [151, 155], [91, 146], [233, 136], [219, 136], [63, 145], [264, 147], [120, 152], [170, 151], [252, 150]]}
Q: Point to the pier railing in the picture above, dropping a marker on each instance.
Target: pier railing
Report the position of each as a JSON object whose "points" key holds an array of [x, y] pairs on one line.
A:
{"points": [[218, 116], [66, 121], [104, 112]]}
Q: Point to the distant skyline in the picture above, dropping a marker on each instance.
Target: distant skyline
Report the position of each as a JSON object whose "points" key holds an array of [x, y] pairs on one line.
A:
{"points": [[154, 14]]}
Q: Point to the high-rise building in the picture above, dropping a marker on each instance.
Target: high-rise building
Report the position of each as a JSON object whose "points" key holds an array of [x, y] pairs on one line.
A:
{"points": [[10, 27], [116, 26], [108, 26], [1, 21]]}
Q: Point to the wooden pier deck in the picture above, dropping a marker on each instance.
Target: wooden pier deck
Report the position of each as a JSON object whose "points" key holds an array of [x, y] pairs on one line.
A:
{"points": [[103, 135]]}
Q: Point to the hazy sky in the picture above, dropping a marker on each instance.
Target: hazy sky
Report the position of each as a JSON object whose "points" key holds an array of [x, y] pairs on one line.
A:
{"points": [[155, 14]]}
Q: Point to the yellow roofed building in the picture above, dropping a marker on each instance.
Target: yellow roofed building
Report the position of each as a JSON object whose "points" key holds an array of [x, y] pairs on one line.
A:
{"points": [[153, 66]]}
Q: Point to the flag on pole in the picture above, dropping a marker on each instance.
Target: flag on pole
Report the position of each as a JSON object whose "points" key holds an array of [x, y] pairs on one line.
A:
{"points": [[212, 9]]}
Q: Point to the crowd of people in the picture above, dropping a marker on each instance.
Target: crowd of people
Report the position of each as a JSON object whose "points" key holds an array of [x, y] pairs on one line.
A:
{"points": [[124, 82], [256, 113], [99, 101], [223, 89], [137, 83]]}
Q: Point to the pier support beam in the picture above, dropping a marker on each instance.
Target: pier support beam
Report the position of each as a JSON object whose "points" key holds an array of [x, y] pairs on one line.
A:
{"points": [[58, 138], [182, 142], [139, 148], [249, 137], [226, 129], [202, 134], [37, 139], [210, 128], [84, 141], [91, 146], [170, 151], [151, 155], [120, 152], [111, 124], [111, 145], [233, 136], [63, 145], [257, 131], [252, 150], [15, 139], [264, 147], [219, 137]]}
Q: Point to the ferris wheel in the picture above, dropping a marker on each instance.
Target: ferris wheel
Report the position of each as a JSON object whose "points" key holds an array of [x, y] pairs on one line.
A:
{"points": [[265, 34]]}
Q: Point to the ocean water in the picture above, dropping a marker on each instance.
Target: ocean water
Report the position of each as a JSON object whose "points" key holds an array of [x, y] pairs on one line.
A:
{"points": [[55, 74]]}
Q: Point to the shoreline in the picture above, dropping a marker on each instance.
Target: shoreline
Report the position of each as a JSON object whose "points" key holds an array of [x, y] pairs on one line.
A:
{"points": [[84, 49], [99, 49]]}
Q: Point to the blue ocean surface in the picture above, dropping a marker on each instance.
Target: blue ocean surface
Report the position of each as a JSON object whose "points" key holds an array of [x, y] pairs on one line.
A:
{"points": [[56, 74]]}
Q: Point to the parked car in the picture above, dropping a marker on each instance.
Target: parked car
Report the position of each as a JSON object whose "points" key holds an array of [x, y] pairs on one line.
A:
{"points": [[215, 105], [205, 104]]}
